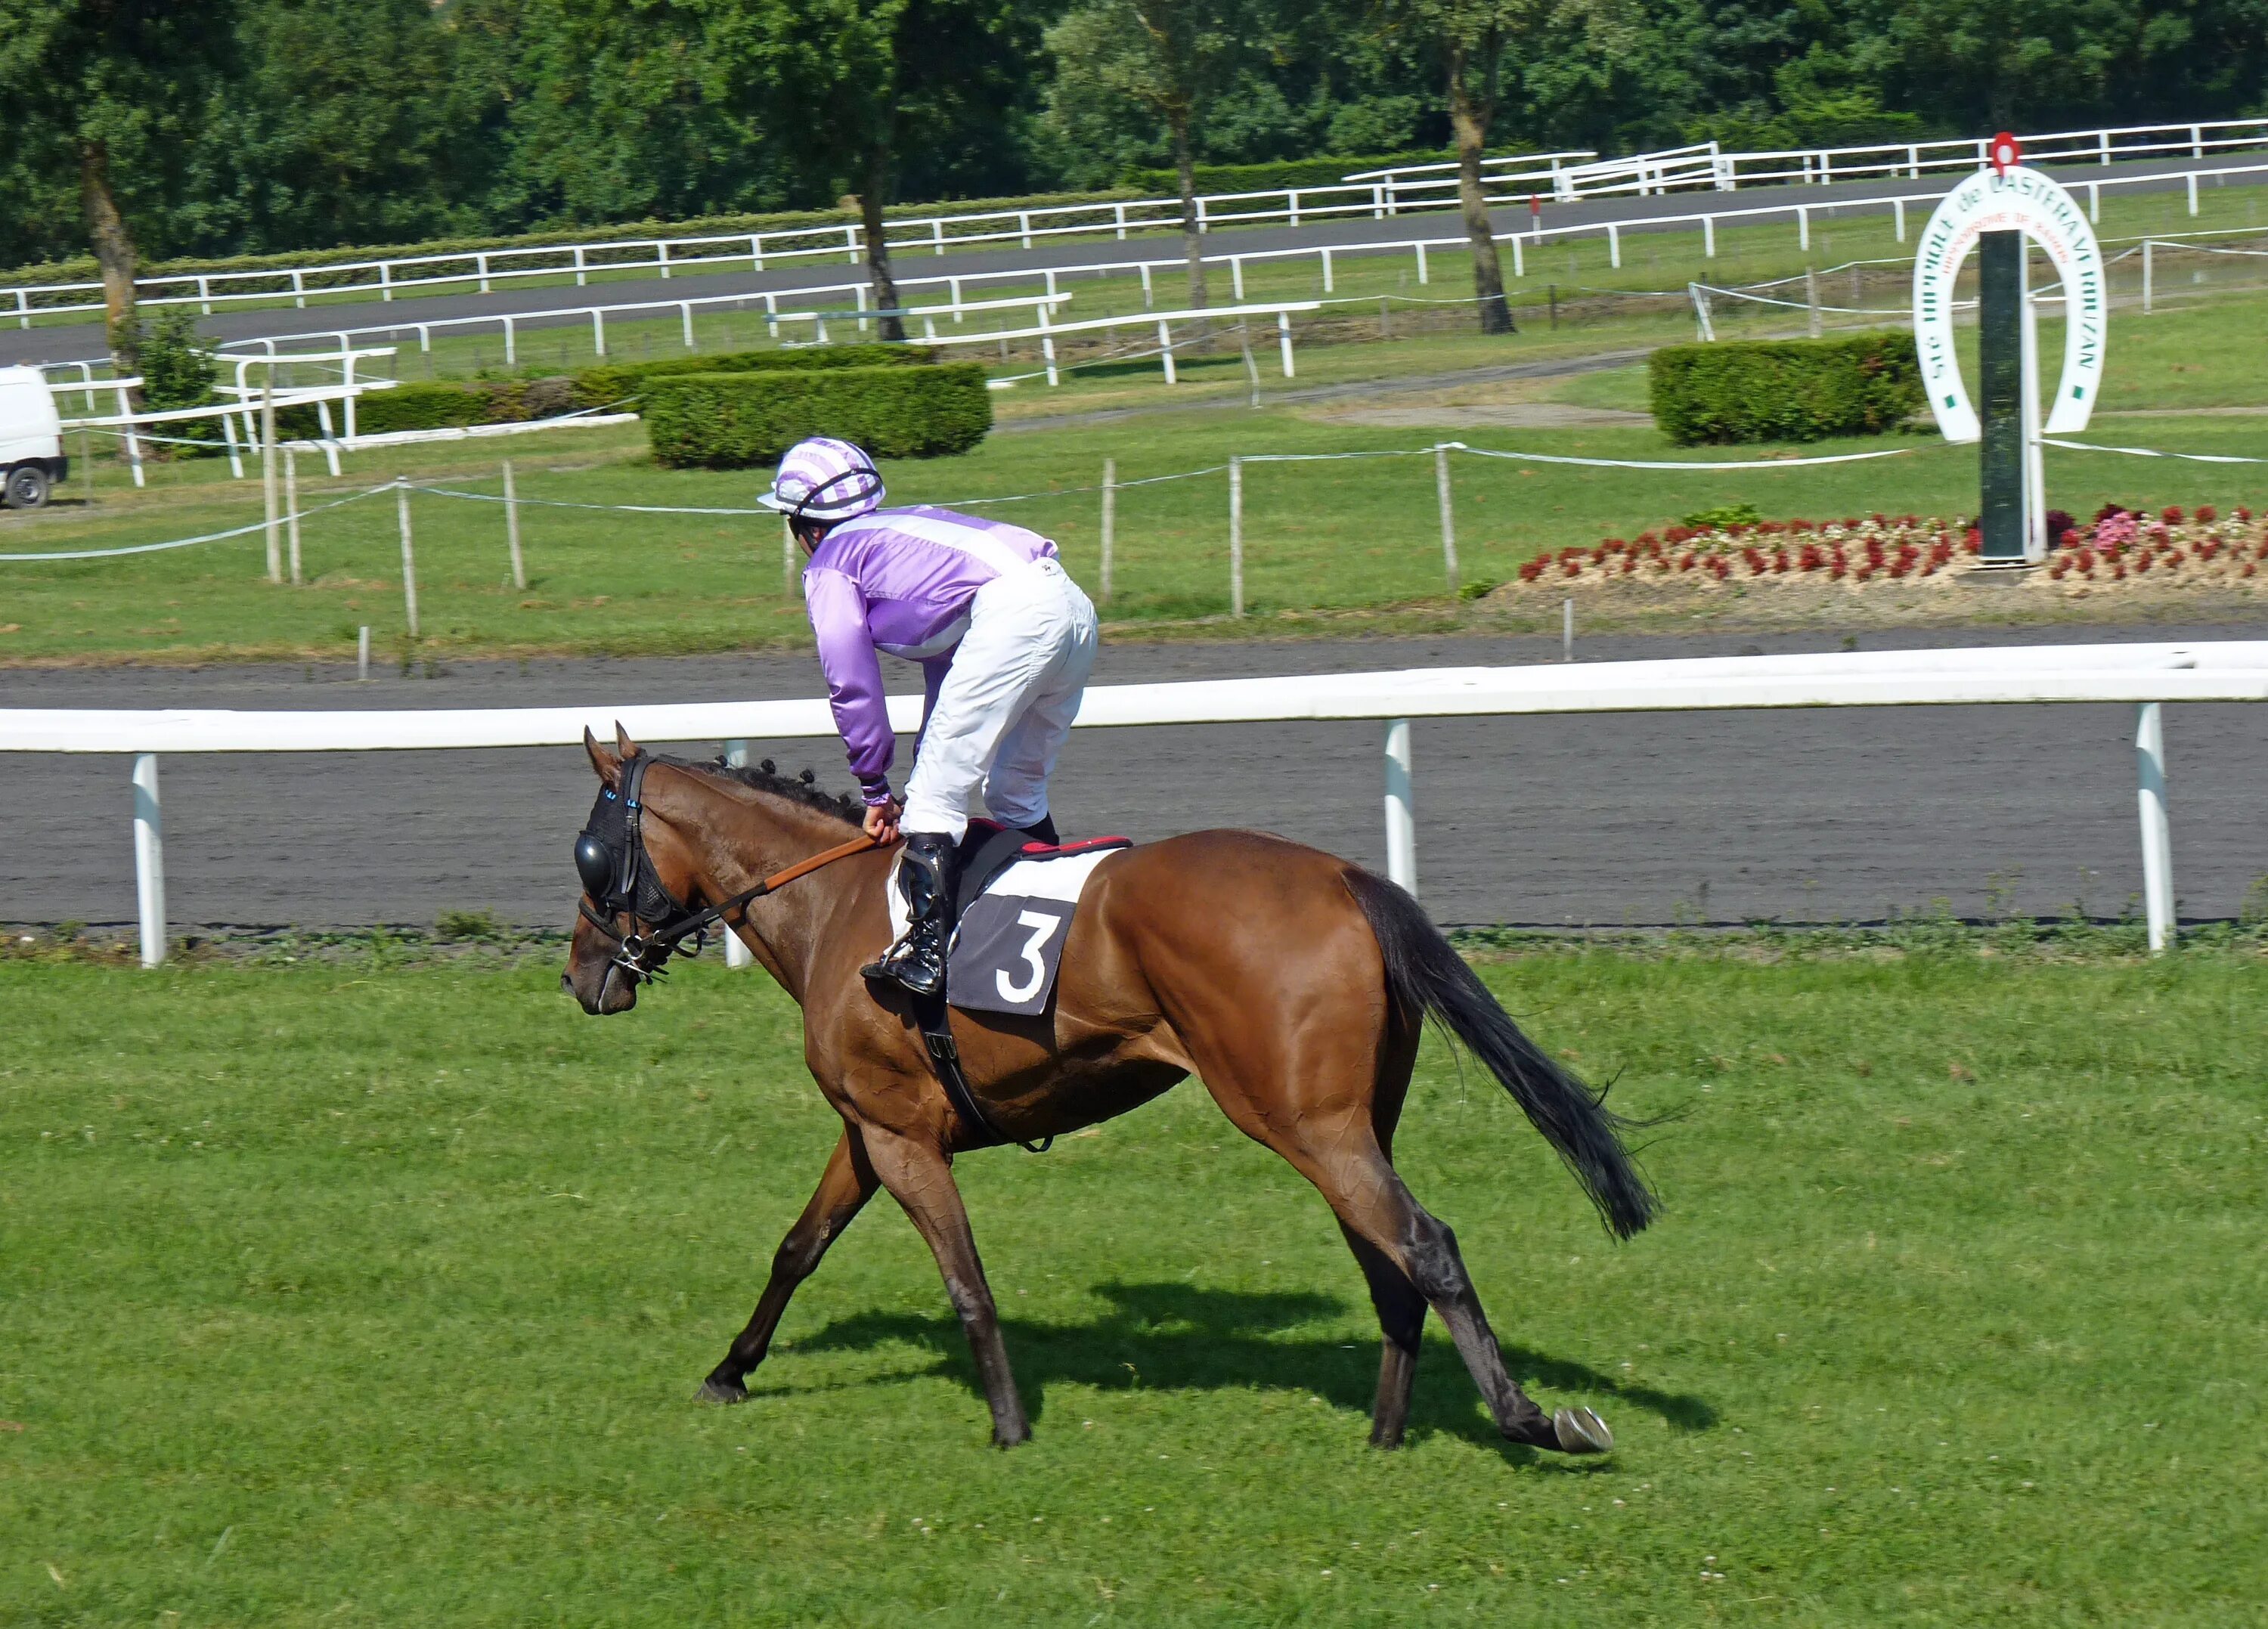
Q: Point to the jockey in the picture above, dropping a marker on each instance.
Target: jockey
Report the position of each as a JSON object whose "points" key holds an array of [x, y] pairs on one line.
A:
{"points": [[1006, 641]]}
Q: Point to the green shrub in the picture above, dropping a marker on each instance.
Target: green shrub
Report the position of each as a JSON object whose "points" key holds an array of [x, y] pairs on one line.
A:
{"points": [[1289, 172], [442, 404], [1785, 390], [742, 421], [610, 382]]}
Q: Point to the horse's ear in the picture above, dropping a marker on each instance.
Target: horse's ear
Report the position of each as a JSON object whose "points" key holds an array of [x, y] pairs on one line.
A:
{"points": [[608, 766], [624, 744]]}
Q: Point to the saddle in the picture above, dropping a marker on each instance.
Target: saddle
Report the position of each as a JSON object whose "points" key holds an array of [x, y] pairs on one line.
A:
{"points": [[986, 852]]}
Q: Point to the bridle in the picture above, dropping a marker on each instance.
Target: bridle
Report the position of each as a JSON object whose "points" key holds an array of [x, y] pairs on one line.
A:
{"points": [[618, 876]]}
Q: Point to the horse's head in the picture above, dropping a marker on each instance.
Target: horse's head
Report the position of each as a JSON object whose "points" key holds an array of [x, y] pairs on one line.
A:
{"points": [[635, 869]]}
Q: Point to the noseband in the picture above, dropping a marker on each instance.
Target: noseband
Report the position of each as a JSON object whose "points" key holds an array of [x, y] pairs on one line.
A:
{"points": [[619, 876]]}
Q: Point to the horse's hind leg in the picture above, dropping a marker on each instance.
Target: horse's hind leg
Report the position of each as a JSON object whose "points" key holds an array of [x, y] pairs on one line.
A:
{"points": [[1401, 1319], [846, 1185]]}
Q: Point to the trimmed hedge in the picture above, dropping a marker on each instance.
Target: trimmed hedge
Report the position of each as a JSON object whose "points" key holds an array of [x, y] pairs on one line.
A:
{"points": [[1785, 390], [609, 382], [442, 404], [1328, 171], [742, 421]]}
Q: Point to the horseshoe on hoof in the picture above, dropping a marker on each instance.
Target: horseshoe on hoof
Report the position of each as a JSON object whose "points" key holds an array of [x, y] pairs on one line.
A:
{"points": [[1580, 1430]]}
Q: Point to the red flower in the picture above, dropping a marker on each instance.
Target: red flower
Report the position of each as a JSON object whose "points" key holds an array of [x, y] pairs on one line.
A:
{"points": [[1534, 569], [2058, 568], [1685, 561], [1837, 568], [2206, 514], [1574, 568], [2070, 538], [1974, 541], [2242, 512], [1676, 533], [1630, 565], [2171, 514]]}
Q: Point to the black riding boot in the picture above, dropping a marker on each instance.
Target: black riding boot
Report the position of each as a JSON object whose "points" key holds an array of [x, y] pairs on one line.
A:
{"points": [[1044, 830], [928, 874]]}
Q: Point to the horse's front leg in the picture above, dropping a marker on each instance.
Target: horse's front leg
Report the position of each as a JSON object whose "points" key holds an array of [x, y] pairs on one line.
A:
{"points": [[920, 1177], [847, 1184]]}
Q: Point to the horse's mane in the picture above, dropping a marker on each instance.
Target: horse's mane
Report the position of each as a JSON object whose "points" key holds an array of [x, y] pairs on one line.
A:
{"points": [[764, 777]]}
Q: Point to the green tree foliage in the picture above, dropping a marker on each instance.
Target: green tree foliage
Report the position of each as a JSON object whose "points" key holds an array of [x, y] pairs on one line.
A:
{"points": [[114, 92], [219, 127]]}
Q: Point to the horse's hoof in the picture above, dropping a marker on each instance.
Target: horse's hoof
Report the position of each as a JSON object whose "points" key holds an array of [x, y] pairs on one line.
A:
{"points": [[1580, 1430], [716, 1390]]}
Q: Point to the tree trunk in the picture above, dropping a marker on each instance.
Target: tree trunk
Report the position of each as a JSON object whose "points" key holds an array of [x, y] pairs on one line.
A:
{"points": [[1469, 121], [1185, 170], [114, 252], [885, 287]]}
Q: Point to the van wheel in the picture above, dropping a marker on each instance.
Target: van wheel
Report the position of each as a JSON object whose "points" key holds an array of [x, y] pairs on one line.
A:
{"points": [[27, 487]]}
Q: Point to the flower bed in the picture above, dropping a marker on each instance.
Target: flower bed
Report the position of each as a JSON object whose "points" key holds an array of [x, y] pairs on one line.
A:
{"points": [[2174, 547]]}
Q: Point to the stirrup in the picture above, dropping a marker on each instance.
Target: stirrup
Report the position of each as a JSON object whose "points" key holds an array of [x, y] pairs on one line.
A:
{"points": [[890, 967]]}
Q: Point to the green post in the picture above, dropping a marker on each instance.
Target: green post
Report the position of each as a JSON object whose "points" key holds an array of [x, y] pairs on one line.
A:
{"points": [[2000, 363]]}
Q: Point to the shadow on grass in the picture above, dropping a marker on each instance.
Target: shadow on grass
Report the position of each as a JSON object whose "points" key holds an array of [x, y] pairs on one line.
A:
{"points": [[1176, 1336]]}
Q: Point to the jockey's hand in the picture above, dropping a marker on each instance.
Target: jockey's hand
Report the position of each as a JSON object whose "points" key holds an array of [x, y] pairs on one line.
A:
{"points": [[882, 822]]}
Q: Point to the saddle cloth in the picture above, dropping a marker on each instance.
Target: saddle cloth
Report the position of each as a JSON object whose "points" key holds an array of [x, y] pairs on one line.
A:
{"points": [[1017, 897]]}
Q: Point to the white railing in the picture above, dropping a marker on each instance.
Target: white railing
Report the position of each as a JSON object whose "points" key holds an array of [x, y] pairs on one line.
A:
{"points": [[1377, 193], [1706, 166], [2143, 675]]}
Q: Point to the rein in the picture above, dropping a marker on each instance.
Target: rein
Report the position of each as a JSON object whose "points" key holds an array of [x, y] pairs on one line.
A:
{"points": [[625, 881]]}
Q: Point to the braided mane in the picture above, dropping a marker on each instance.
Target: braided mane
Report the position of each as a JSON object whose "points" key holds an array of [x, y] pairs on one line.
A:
{"points": [[764, 777]]}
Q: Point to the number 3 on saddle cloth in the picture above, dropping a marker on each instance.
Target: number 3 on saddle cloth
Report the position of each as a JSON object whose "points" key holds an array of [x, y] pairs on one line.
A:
{"points": [[1016, 901]]}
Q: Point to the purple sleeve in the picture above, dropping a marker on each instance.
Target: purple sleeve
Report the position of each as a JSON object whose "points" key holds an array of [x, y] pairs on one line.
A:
{"points": [[854, 677]]}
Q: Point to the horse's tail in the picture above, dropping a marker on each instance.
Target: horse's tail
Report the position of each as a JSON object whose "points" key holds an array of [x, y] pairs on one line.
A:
{"points": [[1425, 971]]}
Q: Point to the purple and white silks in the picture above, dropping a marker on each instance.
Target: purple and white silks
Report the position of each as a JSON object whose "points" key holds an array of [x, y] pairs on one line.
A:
{"points": [[899, 580]]}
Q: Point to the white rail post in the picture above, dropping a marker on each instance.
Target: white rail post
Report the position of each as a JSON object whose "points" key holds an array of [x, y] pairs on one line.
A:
{"points": [[1519, 264], [1147, 300], [2157, 834], [1236, 276], [1614, 245], [1567, 629], [1329, 287], [1283, 342], [149, 859], [685, 308], [1047, 348], [599, 332], [2094, 202], [299, 286], [581, 277], [1449, 517], [1401, 814], [385, 282], [1109, 521], [2146, 276], [736, 954], [134, 443], [1898, 216], [408, 555], [1422, 278], [481, 261], [1709, 233], [271, 514], [511, 529], [291, 511], [362, 654], [1166, 349], [1802, 227], [1236, 537], [2192, 179], [511, 342]]}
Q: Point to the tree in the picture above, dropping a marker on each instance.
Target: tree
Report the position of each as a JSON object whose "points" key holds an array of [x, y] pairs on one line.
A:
{"points": [[1170, 58], [114, 88], [1468, 41]]}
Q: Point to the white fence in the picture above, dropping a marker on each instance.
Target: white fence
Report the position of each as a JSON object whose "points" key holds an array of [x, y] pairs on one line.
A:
{"points": [[1380, 194], [2143, 675]]}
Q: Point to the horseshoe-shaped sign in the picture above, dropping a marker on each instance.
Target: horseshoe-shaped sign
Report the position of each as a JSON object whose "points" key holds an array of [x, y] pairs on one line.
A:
{"points": [[2018, 200]]}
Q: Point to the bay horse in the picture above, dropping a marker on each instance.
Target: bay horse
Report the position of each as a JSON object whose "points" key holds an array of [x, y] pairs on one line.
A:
{"points": [[1292, 984]]}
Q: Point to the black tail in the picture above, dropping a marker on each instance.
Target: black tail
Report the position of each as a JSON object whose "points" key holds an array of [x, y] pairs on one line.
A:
{"points": [[1423, 970]]}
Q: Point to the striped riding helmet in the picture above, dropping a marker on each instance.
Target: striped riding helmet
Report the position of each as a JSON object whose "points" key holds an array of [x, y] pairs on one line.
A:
{"points": [[823, 479]]}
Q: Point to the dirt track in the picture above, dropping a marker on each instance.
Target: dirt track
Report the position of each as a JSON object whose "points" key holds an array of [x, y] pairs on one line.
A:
{"points": [[1606, 820]]}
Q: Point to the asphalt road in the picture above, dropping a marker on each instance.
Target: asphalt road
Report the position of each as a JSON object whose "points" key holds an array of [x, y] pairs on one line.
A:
{"points": [[85, 342], [1604, 820]]}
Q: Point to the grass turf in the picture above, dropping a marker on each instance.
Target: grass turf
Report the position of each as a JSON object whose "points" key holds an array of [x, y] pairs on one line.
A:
{"points": [[1334, 538], [369, 1295]]}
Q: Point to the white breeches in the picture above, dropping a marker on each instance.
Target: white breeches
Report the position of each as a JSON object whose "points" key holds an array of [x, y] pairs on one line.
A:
{"points": [[1006, 703]]}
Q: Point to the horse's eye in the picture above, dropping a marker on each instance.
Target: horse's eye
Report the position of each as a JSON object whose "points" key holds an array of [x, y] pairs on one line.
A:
{"points": [[594, 863]]}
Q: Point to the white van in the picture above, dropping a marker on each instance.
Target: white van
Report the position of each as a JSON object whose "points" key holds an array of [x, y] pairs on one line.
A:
{"points": [[31, 439]]}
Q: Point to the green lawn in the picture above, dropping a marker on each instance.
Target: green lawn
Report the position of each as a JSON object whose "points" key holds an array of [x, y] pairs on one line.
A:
{"points": [[1355, 537], [371, 1294]]}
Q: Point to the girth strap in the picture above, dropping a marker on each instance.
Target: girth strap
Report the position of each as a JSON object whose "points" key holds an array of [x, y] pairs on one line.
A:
{"points": [[944, 1058]]}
